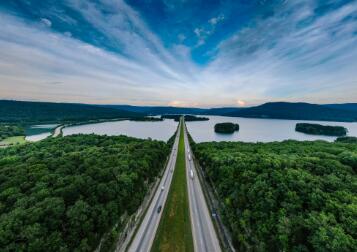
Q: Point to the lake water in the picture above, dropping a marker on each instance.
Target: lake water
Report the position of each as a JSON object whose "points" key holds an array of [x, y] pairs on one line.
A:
{"points": [[258, 130], [161, 130], [251, 130], [39, 132]]}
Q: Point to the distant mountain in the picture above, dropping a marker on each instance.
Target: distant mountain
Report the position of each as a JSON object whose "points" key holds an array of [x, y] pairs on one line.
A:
{"points": [[343, 106], [37, 112], [296, 111], [274, 110], [158, 110], [221, 111]]}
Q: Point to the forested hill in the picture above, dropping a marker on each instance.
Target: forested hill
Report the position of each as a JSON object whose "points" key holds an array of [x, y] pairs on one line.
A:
{"points": [[276, 110], [21, 111], [157, 110], [345, 106], [296, 111]]}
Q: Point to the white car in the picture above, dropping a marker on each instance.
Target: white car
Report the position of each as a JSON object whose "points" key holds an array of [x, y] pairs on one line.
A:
{"points": [[189, 157], [162, 188], [191, 174]]}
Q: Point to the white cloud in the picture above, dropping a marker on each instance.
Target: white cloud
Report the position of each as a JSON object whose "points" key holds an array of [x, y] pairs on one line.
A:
{"points": [[46, 22], [215, 20], [276, 60]]}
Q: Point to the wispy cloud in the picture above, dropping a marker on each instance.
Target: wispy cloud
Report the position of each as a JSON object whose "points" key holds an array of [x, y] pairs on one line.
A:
{"points": [[299, 51]]}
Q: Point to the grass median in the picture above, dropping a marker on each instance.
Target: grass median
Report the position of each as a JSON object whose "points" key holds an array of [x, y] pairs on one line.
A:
{"points": [[174, 232]]}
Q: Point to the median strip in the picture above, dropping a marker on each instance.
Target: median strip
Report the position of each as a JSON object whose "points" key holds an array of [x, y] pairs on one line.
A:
{"points": [[174, 232]]}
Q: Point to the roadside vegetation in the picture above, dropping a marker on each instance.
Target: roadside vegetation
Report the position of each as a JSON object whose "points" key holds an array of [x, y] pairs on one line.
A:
{"points": [[63, 194], [317, 129], [286, 196], [174, 231]]}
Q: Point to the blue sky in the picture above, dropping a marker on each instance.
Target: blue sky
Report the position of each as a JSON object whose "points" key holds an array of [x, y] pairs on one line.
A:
{"points": [[203, 53]]}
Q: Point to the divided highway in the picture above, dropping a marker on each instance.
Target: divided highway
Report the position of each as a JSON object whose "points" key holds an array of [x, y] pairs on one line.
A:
{"points": [[146, 233], [204, 234]]}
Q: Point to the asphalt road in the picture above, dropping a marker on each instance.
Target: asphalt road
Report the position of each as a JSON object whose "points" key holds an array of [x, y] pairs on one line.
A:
{"points": [[145, 236], [204, 234]]}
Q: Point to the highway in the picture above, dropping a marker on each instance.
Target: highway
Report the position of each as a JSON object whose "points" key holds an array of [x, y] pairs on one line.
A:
{"points": [[204, 234], [145, 235]]}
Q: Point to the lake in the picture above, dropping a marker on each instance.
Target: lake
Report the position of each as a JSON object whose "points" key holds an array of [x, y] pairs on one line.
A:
{"points": [[251, 130], [161, 130], [39, 132], [258, 130]]}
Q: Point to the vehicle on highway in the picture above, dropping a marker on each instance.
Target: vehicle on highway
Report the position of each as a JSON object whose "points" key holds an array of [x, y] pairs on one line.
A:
{"points": [[159, 209], [189, 157], [162, 188], [191, 174]]}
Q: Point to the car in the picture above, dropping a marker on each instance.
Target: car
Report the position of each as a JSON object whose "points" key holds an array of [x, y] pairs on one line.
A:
{"points": [[191, 174], [159, 209], [162, 188], [189, 157]]}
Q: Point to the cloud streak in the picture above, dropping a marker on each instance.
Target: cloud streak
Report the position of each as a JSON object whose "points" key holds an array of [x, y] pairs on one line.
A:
{"points": [[297, 52]]}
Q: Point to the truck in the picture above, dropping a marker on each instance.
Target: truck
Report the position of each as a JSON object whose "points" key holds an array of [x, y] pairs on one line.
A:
{"points": [[191, 174]]}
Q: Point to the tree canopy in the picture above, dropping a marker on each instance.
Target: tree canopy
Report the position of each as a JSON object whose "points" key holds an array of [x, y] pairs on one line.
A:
{"points": [[285, 196], [317, 129], [226, 128], [11, 130], [63, 194]]}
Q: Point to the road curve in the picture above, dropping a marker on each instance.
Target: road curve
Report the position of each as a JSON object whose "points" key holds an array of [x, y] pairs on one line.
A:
{"points": [[205, 238], [145, 235]]}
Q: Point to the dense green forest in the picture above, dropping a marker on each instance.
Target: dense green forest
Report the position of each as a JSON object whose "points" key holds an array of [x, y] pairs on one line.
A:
{"points": [[317, 129], [188, 118], [39, 112], [226, 128], [285, 196], [346, 139], [11, 130], [63, 194]]}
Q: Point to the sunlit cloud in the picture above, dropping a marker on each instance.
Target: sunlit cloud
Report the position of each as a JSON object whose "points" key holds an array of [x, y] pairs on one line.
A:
{"points": [[110, 52]]}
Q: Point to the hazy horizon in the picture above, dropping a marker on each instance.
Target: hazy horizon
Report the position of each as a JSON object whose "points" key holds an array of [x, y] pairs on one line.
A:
{"points": [[179, 53]]}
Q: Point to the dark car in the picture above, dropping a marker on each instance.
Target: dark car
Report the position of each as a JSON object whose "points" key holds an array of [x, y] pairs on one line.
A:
{"points": [[159, 209]]}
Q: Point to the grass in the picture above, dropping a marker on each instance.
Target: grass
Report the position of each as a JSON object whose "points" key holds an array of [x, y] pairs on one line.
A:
{"points": [[174, 232], [13, 140]]}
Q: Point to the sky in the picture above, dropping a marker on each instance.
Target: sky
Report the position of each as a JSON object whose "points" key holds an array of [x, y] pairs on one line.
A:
{"points": [[197, 53]]}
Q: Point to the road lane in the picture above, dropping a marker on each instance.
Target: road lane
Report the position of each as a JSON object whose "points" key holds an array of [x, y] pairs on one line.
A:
{"points": [[204, 235], [145, 235]]}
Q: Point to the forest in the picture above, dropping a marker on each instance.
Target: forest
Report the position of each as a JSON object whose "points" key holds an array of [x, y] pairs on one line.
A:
{"points": [[346, 139], [63, 194], [285, 196], [10, 131], [317, 129], [226, 127], [41, 112]]}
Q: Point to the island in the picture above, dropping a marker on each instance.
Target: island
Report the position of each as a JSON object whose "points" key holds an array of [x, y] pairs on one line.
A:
{"points": [[317, 129], [188, 118], [226, 128]]}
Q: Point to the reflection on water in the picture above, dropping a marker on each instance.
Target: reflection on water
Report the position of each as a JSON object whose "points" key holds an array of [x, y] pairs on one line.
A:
{"points": [[39, 132], [258, 130], [161, 130], [251, 130], [37, 137]]}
